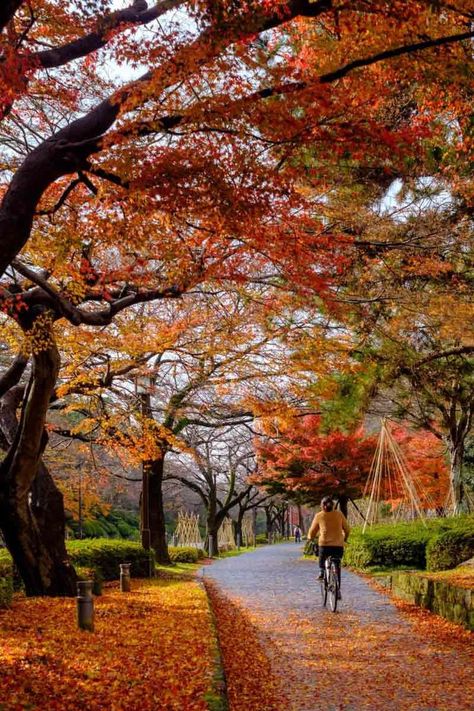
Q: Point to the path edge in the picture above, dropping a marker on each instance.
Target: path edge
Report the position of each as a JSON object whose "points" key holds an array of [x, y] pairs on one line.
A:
{"points": [[217, 698]]}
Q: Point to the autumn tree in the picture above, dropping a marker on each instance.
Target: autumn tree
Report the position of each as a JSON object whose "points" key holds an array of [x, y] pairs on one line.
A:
{"points": [[116, 193], [218, 472]]}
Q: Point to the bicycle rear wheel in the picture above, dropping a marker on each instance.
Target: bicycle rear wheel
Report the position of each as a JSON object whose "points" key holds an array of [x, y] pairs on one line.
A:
{"points": [[333, 588]]}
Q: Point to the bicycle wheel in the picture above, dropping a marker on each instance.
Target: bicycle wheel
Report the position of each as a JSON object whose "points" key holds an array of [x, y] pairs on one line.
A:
{"points": [[333, 588], [324, 591]]}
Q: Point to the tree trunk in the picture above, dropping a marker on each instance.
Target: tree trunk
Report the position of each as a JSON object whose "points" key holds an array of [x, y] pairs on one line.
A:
{"points": [[343, 504], [31, 507], [238, 525], [269, 524], [456, 478], [213, 521], [301, 519], [156, 512]]}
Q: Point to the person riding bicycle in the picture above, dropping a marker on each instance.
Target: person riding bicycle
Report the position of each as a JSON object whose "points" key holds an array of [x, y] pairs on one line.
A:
{"points": [[333, 530]]}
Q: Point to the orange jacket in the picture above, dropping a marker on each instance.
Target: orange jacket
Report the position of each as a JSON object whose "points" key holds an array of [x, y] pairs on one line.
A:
{"points": [[332, 528]]}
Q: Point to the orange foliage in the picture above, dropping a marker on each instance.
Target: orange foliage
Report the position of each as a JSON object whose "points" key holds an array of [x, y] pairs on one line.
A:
{"points": [[151, 650], [251, 681]]}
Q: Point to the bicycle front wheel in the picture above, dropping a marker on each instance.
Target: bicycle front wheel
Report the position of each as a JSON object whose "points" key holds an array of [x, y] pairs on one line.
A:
{"points": [[333, 588]]}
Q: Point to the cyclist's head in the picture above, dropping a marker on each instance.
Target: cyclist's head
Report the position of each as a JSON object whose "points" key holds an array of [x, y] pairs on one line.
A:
{"points": [[327, 504]]}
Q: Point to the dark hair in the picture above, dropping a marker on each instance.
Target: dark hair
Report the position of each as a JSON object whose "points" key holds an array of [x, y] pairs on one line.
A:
{"points": [[327, 503]]}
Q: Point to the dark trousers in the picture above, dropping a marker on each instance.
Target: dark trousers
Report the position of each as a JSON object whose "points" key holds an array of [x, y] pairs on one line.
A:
{"points": [[333, 552]]}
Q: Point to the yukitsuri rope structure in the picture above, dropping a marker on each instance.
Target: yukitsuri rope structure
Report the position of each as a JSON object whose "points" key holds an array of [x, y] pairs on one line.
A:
{"points": [[225, 536], [187, 530], [390, 480], [248, 534]]}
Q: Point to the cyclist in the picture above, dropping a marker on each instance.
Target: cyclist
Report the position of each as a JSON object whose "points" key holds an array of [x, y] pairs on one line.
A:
{"points": [[333, 530]]}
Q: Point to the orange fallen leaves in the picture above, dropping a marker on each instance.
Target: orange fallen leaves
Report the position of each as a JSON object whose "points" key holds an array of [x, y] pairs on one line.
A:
{"points": [[357, 659], [151, 649], [463, 577], [250, 679]]}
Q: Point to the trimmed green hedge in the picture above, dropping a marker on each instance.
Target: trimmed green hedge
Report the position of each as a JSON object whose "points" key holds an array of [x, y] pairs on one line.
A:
{"points": [[183, 554], [105, 555], [449, 549], [6, 580], [408, 544]]}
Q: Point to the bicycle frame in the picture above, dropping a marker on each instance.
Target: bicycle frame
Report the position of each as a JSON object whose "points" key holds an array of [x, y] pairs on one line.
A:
{"points": [[330, 584]]}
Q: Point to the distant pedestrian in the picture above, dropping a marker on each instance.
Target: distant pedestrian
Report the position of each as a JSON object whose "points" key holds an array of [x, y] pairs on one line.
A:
{"points": [[297, 534]]}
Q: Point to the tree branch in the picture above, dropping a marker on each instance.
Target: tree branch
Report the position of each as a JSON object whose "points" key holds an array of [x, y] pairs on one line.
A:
{"points": [[11, 376], [137, 14], [7, 11]]}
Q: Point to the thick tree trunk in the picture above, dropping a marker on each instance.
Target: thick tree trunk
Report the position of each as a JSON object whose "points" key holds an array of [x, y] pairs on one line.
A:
{"points": [[457, 483], [42, 563], [156, 512], [238, 526], [31, 507], [214, 522], [212, 542]]}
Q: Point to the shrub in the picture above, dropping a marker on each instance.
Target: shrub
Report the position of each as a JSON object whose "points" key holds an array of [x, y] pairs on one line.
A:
{"points": [[105, 555], [6, 581], [387, 550], [400, 545], [261, 539], [449, 549], [183, 554]]}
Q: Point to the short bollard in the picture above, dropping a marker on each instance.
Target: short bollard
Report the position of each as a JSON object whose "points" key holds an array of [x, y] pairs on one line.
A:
{"points": [[125, 577], [85, 605]]}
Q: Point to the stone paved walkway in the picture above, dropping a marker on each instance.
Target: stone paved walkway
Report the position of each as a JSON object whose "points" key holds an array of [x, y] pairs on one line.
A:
{"points": [[366, 657]]}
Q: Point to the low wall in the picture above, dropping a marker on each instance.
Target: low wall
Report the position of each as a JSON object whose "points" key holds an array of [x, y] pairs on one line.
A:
{"points": [[450, 601]]}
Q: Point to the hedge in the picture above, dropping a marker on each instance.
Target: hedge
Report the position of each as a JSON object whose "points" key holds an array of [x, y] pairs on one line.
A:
{"points": [[404, 544], [449, 549], [184, 554], [105, 555]]}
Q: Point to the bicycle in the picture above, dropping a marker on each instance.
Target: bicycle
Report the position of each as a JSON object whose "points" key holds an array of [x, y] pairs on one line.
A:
{"points": [[330, 587]]}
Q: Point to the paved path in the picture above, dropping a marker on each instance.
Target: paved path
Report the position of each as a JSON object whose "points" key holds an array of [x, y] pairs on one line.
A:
{"points": [[366, 657]]}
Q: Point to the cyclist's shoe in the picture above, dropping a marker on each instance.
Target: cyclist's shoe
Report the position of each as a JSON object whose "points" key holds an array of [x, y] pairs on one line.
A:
{"points": [[321, 576]]}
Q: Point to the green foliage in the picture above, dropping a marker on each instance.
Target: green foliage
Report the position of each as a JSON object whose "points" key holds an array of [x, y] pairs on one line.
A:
{"points": [[450, 549], [116, 524], [353, 391], [6, 580], [105, 556], [403, 544], [261, 539], [182, 554]]}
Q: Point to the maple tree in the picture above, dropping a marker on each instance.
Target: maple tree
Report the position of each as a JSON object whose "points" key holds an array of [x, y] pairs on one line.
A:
{"points": [[305, 461], [120, 192]]}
